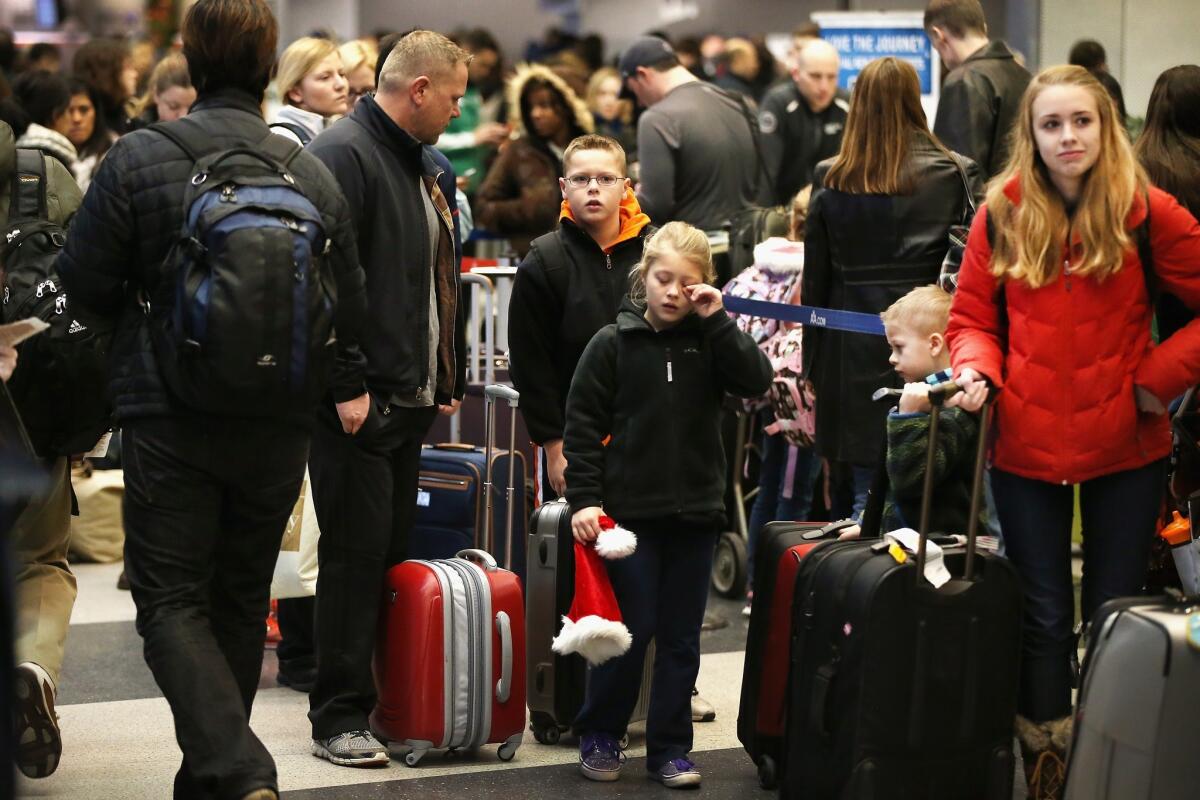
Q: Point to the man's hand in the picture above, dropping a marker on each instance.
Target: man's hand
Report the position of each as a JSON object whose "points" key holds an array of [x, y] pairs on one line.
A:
{"points": [[705, 299], [8, 362], [450, 410], [556, 466], [915, 398], [353, 413], [585, 524]]}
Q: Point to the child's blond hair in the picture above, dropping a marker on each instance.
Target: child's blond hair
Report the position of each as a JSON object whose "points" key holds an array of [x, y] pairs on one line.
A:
{"points": [[686, 241], [925, 310]]}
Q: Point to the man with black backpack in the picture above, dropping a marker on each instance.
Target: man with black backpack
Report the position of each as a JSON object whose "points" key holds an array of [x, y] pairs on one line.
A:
{"points": [[37, 198], [225, 256]]}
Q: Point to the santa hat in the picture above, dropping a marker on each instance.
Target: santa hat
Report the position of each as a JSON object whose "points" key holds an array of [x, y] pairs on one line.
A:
{"points": [[593, 627]]}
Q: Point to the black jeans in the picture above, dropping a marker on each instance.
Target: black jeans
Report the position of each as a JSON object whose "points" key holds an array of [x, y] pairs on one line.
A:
{"points": [[662, 590], [296, 650], [206, 503], [365, 491], [1118, 513]]}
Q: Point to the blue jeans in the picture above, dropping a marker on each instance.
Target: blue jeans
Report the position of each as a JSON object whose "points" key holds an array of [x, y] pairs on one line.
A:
{"points": [[662, 590], [778, 498], [1118, 522]]}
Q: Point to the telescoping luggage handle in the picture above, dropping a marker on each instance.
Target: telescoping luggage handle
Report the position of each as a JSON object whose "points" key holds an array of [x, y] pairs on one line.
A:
{"points": [[485, 562], [937, 397], [492, 394]]}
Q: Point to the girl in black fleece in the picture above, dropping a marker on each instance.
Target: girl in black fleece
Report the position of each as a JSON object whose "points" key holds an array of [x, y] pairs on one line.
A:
{"points": [[652, 384]]}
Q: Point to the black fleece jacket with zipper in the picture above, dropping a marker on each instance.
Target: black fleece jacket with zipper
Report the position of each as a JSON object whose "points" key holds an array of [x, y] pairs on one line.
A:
{"points": [[658, 395]]}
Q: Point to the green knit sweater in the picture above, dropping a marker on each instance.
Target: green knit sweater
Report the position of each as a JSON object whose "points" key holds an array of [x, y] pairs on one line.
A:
{"points": [[908, 443]]}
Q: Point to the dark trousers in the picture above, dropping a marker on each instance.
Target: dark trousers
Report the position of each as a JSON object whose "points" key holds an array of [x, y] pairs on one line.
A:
{"points": [[662, 590], [1118, 513], [785, 488], [297, 644], [365, 491], [206, 503]]}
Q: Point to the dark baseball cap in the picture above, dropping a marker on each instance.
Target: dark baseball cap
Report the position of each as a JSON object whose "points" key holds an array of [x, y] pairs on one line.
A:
{"points": [[643, 52]]}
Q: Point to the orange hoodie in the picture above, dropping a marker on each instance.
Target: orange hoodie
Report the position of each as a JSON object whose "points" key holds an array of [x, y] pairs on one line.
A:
{"points": [[632, 218]]}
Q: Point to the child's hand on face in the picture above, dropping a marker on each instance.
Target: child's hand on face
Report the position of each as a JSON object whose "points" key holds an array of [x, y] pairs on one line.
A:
{"points": [[915, 399], [704, 298], [585, 524]]}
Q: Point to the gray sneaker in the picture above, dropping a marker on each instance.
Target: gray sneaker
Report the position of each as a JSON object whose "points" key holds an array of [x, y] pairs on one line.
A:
{"points": [[352, 749]]}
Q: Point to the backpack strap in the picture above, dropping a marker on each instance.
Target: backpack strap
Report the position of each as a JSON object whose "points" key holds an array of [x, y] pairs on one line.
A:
{"points": [[299, 131], [280, 148], [28, 198], [555, 257], [192, 139]]}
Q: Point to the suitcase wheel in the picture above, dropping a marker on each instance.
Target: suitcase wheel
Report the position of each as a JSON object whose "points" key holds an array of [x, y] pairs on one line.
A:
{"points": [[729, 565], [767, 778], [508, 751], [546, 734], [413, 757]]}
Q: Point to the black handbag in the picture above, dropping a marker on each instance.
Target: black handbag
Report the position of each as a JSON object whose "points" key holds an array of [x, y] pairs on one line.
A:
{"points": [[948, 277]]}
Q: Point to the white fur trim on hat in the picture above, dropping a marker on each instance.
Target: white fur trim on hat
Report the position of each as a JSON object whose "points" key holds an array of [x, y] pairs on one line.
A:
{"points": [[595, 638], [616, 543]]}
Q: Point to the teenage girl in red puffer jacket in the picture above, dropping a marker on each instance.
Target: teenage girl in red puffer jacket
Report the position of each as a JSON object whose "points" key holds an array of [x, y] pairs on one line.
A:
{"points": [[1064, 330]]}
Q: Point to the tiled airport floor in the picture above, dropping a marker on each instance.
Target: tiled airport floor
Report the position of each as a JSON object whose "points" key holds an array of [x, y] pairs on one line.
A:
{"points": [[118, 741]]}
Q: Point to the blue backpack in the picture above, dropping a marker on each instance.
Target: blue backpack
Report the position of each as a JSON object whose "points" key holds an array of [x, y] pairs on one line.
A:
{"points": [[244, 323]]}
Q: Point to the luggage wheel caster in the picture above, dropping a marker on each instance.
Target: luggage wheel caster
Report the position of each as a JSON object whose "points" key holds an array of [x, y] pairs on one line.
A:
{"points": [[729, 565], [508, 752], [412, 758], [766, 773], [550, 735]]}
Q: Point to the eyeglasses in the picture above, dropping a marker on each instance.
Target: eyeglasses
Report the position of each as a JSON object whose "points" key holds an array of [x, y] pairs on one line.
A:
{"points": [[582, 181]]}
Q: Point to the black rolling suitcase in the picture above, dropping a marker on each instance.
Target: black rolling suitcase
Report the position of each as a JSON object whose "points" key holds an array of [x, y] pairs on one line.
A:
{"points": [[898, 690], [556, 684]]}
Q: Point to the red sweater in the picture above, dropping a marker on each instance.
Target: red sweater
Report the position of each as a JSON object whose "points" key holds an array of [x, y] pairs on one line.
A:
{"points": [[1075, 349]]}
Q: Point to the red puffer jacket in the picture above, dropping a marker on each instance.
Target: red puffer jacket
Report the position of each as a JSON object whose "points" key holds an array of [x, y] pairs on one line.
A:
{"points": [[1075, 350]]}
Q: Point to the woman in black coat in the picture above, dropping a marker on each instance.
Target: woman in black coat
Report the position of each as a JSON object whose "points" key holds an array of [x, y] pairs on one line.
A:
{"points": [[877, 227]]}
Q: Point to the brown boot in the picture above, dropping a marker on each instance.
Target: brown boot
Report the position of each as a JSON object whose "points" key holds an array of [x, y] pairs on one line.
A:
{"points": [[1044, 751], [261, 794]]}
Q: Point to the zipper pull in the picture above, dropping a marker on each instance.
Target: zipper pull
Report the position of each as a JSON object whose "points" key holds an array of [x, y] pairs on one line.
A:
{"points": [[670, 375]]}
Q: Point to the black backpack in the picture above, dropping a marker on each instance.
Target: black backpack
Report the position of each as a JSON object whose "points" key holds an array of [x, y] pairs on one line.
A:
{"points": [[59, 386], [243, 324]]}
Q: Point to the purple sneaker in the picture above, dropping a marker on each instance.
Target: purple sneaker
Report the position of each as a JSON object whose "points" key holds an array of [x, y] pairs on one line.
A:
{"points": [[678, 773], [600, 757]]}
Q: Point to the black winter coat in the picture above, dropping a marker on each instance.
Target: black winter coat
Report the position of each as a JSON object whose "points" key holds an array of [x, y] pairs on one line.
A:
{"points": [[131, 216], [862, 253], [658, 394], [557, 306], [382, 169], [979, 104]]}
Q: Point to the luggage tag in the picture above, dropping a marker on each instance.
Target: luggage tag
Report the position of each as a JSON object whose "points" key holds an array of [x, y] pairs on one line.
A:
{"points": [[891, 548], [935, 565]]}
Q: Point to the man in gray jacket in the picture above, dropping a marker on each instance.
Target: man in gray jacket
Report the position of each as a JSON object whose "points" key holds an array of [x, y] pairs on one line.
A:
{"points": [[982, 93]]}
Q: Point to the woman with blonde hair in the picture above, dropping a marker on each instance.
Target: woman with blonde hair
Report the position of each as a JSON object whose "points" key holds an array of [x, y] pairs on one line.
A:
{"points": [[877, 228], [169, 94], [359, 59], [311, 81], [612, 115], [1053, 310]]}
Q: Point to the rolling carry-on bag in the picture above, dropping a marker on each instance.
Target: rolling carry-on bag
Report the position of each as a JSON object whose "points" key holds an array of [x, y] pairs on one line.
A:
{"points": [[1137, 720], [900, 689], [453, 505], [764, 677], [450, 662], [557, 683]]}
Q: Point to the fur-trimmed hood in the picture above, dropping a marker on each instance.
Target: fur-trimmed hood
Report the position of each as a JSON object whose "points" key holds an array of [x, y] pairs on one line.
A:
{"points": [[582, 120]]}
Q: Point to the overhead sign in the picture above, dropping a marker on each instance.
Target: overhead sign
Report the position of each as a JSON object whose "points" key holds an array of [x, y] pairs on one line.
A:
{"points": [[860, 37]]}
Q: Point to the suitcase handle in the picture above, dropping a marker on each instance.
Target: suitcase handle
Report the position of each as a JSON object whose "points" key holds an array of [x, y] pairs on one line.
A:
{"points": [[498, 391], [819, 710], [491, 394], [482, 558], [504, 685]]}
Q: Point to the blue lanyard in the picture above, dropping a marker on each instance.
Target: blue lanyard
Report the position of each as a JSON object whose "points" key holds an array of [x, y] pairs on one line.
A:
{"points": [[833, 319]]}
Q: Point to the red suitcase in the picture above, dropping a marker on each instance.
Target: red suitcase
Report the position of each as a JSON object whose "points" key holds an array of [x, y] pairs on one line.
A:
{"points": [[450, 665]]}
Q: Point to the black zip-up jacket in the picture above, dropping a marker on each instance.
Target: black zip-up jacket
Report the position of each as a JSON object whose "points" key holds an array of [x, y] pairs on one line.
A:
{"points": [[382, 169], [979, 105], [557, 306], [132, 215], [658, 394]]}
